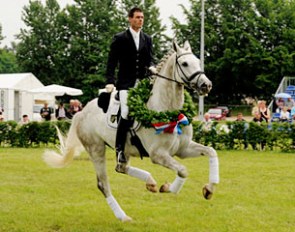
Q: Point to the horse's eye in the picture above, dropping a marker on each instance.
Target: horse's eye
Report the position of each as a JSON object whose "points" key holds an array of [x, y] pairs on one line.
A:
{"points": [[184, 64]]}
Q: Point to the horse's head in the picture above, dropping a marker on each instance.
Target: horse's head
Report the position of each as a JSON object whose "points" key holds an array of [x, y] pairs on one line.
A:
{"points": [[189, 71]]}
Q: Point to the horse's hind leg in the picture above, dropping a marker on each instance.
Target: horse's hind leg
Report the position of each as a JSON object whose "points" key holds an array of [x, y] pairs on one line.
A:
{"points": [[97, 155]]}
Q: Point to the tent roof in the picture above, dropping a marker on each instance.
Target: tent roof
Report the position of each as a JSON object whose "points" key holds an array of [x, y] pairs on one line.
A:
{"points": [[57, 90], [19, 81]]}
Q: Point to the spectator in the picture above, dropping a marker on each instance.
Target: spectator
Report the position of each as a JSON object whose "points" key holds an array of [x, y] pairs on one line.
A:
{"points": [[289, 104], [24, 120], [61, 112], [240, 117], [207, 122], [1, 118], [46, 112], [257, 117], [293, 113], [280, 104], [75, 106], [264, 111], [285, 114]]}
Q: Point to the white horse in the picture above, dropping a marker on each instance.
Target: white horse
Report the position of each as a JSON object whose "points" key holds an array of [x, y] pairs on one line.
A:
{"points": [[177, 69]]}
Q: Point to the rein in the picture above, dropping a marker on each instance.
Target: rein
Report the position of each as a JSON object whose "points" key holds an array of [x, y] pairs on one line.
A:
{"points": [[168, 79]]}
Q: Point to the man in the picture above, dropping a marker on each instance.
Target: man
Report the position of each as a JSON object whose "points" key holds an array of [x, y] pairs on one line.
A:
{"points": [[61, 112], [240, 117], [46, 112], [25, 119], [207, 122], [131, 52]]}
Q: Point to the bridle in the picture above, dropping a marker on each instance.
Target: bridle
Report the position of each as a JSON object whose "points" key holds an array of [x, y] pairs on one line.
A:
{"points": [[186, 79]]}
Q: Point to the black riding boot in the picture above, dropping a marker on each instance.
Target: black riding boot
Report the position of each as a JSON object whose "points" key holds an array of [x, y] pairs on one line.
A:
{"points": [[123, 127]]}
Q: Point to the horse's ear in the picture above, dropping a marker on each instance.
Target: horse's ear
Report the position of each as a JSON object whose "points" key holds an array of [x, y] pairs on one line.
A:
{"points": [[175, 46], [187, 46]]}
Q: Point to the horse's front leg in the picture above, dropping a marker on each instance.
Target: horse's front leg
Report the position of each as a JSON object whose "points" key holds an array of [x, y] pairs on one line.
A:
{"points": [[140, 174], [195, 150], [162, 157]]}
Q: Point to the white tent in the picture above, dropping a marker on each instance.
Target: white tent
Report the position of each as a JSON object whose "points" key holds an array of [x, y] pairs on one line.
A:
{"points": [[14, 96], [57, 90]]}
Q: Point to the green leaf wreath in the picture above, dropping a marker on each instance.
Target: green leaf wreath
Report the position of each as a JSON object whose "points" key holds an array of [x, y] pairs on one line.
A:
{"points": [[138, 97]]}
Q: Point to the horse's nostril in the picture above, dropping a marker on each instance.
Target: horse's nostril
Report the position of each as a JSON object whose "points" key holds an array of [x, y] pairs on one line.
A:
{"points": [[204, 85]]}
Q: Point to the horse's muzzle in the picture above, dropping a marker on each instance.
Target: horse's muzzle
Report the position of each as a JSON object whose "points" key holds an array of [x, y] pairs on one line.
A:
{"points": [[202, 87], [205, 88]]}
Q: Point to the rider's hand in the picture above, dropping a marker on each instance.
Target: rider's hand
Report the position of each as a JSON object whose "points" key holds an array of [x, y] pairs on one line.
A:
{"points": [[109, 88], [153, 70]]}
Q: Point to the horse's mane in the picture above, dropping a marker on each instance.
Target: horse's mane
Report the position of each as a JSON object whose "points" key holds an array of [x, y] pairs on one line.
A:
{"points": [[163, 60]]}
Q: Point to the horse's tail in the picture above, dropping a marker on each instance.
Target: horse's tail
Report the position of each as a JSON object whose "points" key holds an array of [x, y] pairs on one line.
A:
{"points": [[70, 146]]}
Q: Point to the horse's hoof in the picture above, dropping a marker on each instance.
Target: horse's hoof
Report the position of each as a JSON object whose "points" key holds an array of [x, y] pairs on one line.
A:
{"points": [[165, 188], [152, 188], [207, 193], [126, 219], [120, 168]]}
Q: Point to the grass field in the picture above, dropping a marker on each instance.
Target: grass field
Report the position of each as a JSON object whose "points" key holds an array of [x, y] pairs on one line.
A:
{"points": [[256, 193]]}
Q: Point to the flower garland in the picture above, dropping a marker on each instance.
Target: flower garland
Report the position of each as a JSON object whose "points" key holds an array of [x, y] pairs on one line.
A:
{"points": [[138, 97]]}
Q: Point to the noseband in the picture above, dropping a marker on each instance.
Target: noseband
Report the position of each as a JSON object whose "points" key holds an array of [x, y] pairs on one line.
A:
{"points": [[186, 80]]}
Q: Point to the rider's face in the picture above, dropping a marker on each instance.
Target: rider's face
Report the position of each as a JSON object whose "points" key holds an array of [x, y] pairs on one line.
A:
{"points": [[136, 22]]}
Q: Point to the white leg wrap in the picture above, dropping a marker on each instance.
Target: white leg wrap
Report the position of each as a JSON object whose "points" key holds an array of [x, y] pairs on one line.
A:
{"points": [[213, 170], [138, 173], [119, 213], [177, 184]]}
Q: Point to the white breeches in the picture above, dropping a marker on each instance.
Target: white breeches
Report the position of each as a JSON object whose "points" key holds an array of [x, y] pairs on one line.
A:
{"points": [[123, 94]]}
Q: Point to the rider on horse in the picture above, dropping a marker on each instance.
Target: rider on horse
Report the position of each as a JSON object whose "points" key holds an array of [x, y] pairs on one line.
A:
{"points": [[130, 51]]}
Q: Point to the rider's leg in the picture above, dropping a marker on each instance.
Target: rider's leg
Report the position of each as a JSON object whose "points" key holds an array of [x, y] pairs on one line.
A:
{"points": [[123, 127], [121, 139]]}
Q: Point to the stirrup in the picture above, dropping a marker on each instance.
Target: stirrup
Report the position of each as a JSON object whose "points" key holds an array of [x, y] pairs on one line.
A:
{"points": [[121, 159]]}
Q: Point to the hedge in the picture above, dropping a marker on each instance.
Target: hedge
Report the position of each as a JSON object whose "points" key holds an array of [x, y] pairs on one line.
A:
{"points": [[228, 135], [32, 134], [246, 135]]}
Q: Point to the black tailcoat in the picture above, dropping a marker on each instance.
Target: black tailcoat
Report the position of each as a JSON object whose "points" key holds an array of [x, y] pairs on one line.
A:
{"points": [[131, 63]]}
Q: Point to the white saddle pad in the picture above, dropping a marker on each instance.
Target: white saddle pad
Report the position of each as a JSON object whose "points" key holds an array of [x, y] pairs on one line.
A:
{"points": [[112, 113]]}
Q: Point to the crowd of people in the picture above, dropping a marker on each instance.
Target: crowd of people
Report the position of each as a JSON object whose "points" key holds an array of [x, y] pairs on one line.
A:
{"points": [[47, 113], [260, 113], [62, 112], [285, 109]]}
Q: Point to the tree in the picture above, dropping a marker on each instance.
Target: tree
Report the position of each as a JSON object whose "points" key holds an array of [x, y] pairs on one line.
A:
{"points": [[70, 46], [247, 51], [88, 28], [1, 37], [8, 62], [67, 46], [39, 44]]}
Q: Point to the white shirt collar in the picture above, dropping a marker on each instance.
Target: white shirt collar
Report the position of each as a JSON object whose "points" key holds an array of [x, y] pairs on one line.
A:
{"points": [[135, 35]]}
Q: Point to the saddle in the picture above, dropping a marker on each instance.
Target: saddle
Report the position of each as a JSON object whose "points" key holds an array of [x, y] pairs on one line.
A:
{"points": [[110, 104]]}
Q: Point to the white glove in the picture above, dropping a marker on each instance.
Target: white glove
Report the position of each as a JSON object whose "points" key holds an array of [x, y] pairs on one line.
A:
{"points": [[109, 88], [153, 69]]}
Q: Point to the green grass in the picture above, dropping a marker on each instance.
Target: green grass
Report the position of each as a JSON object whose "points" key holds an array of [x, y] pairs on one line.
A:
{"points": [[256, 193]]}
